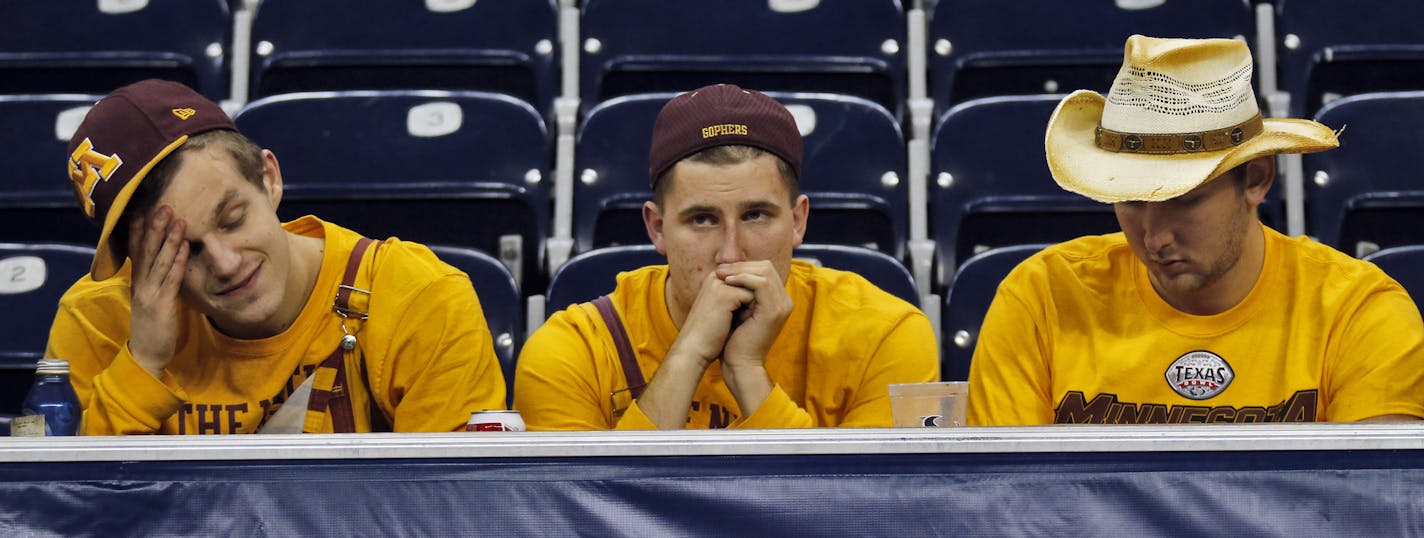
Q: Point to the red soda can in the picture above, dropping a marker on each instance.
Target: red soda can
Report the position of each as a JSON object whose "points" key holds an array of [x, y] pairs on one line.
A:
{"points": [[495, 420]]}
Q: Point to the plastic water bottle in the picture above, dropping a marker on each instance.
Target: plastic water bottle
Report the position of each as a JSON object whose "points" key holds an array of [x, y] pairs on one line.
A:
{"points": [[53, 398]]}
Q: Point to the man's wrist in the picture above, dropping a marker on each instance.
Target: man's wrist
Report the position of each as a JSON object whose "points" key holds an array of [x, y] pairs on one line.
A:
{"points": [[746, 381], [749, 384], [679, 355], [153, 369]]}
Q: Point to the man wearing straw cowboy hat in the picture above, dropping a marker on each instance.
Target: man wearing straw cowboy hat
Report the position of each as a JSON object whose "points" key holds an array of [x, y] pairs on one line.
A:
{"points": [[1196, 312]]}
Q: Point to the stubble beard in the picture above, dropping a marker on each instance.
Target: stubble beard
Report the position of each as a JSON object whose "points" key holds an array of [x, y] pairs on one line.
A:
{"points": [[1192, 282]]}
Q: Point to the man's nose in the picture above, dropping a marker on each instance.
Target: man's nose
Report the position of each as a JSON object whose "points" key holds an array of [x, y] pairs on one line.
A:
{"points": [[731, 251], [1158, 228], [223, 259]]}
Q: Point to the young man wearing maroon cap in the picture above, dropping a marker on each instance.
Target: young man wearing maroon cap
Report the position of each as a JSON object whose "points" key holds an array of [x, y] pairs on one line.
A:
{"points": [[731, 333], [205, 314]]}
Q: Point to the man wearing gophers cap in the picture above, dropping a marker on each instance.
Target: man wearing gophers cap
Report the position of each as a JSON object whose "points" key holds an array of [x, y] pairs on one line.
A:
{"points": [[1196, 312], [205, 314], [731, 333]]}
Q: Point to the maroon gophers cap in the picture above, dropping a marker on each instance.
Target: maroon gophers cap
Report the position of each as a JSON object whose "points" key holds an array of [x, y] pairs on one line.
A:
{"points": [[121, 139], [722, 115]]}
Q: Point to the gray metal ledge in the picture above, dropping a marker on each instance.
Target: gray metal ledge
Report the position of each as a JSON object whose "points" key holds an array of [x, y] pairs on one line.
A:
{"points": [[1040, 439]]}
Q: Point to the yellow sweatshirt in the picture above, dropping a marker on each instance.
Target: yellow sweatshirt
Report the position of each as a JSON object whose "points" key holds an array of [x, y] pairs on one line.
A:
{"points": [[844, 342], [426, 346], [1076, 334]]}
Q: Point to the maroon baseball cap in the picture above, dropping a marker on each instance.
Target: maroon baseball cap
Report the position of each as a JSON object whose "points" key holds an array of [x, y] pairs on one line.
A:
{"points": [[123, 137], [722, 115]]}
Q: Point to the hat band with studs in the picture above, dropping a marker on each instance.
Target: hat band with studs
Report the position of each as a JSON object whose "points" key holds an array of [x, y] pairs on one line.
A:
{"points": [[1171, 144]]}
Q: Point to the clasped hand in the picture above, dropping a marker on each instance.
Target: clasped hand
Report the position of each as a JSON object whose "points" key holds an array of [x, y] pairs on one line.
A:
{"points": [[738, 313]]}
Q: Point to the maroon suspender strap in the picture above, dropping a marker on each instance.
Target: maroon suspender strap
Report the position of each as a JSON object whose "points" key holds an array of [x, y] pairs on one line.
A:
{"points": [[348, 281], [631, 371], [337, 401]]}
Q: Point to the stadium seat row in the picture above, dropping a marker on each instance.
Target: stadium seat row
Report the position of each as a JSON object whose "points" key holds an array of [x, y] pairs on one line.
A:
{"points": [[974, 48], [473, 169]]}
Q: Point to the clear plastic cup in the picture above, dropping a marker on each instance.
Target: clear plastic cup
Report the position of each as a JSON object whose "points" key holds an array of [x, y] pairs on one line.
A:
{"points": [[929, 405]]}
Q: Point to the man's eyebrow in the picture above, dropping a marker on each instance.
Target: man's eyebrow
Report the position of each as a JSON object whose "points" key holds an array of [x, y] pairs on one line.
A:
{"points": [[754, 205], [226, 200], [695, 209], [762, 205]]}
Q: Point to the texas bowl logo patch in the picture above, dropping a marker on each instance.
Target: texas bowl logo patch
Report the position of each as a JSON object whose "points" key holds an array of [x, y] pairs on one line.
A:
{"points": [[1199, 375]]}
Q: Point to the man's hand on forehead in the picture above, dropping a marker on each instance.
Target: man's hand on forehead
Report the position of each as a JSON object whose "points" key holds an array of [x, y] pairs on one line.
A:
{"points": [[159, 257]]}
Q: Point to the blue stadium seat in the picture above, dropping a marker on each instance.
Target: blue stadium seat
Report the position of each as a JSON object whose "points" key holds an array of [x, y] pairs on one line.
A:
{"points": [[885, 272], [591, 274], [852, 171], [499, 299], [1367, 193], [848, 47], [968, 300], [456, 168], [981, 48], [36, 198], [49, 46], [1329, 49], [588, 275], [991, 186], [1405, 265], [501, 46], [33, 276], [611, 155]]}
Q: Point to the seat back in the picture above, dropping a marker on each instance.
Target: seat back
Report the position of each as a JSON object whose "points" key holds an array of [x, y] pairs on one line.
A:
{"points": [[991, 186], [37, 201], [967, 301], [504, 47], [885, 272], [96, 46], [594, 273], [611, 157], [33, 276], [1330, 49], [455, 168], [499, 300], [588, 275], [1405, 265], [980, 48], [853, 170], [638, 46], [1368, 193]]}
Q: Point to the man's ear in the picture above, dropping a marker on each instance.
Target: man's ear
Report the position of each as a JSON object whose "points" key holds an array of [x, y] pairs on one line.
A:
{"points": [[272, 178], [653, 221], [800, 212], [1260, 175]]}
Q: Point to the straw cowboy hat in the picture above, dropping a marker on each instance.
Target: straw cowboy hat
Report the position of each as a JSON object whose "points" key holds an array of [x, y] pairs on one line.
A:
{"points": [[1181, 112]]}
